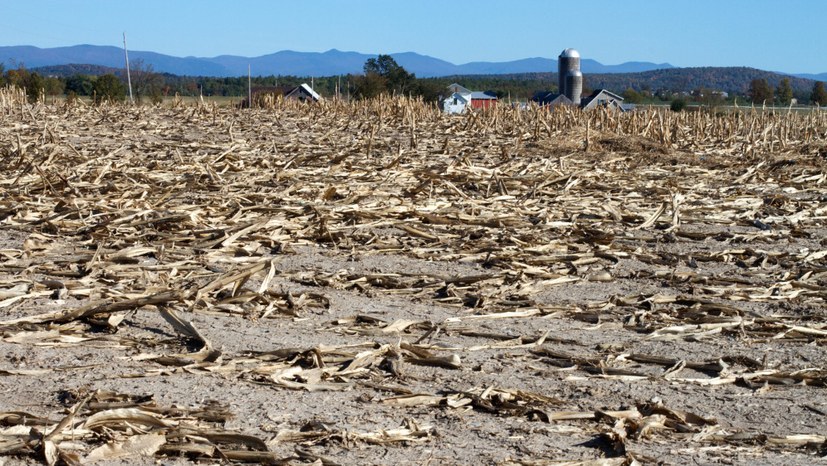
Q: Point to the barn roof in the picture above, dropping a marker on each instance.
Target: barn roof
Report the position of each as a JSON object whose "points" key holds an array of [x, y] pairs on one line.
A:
{"points": [[602, 94], [311, 91], [551, 98], [459, 96], [605, 93], [304, 87], [455, 87], [482, 96]]}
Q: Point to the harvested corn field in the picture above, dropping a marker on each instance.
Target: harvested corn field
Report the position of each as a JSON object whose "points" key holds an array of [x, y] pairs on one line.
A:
{"points": [[374, 283]]}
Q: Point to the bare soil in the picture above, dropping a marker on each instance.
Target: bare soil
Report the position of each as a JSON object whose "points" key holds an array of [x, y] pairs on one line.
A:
{"points": [[356, 284]]}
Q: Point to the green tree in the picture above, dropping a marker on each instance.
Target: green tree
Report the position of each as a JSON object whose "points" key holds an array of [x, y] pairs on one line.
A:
{"points": [[80, 84], [678, 105], [429, 90], [53, 86], [819, 95], [369, 85], [2, 75], [632, 96], [760, 91], [784, 92], [34, 85], [109, 87], [398, 80]]}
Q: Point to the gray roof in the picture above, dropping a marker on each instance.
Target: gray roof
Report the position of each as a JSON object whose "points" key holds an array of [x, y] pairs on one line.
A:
{"points": [[311, 91], [457, 95], [482, 96], [458, 88], [551, 99], [302, 89], [602, 94]]}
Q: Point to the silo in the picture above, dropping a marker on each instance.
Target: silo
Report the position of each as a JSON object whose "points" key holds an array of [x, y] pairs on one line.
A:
{"points": [[574, 86], [569, 60]]}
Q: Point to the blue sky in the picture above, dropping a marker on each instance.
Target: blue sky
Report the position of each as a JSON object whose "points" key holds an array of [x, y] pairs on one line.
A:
{"points": [[782, 35]]}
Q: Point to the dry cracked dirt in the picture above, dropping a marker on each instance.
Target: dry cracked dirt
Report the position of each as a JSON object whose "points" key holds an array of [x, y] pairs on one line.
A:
{"points": [[378, 283]]}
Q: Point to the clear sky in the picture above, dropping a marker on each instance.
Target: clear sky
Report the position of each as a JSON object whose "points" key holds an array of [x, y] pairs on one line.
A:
{"points": [[775, 35]]}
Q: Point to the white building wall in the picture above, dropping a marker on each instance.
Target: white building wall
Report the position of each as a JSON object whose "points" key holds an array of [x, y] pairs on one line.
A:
{"points": [[456, 103]]}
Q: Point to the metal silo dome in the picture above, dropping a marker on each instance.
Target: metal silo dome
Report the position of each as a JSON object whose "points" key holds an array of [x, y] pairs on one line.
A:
{"points": [[570, 53]]}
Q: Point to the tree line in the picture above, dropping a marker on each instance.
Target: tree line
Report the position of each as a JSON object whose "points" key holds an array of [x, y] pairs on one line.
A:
{"points": [[384, 75], [760, 91], [107, 86], [381, 75]]}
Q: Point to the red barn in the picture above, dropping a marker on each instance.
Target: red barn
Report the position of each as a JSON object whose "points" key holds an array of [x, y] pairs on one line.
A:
{"points": [[461, 99], [483, 100]]}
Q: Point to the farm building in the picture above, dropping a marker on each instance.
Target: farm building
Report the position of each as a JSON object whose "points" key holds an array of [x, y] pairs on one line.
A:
{"points": [[301, 93], [462, 98], [458, 100], [551, 99], [604, 98], [485, 99]]}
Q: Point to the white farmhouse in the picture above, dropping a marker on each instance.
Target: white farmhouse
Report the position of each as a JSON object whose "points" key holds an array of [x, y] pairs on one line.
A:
{"points": [[458, 100]]}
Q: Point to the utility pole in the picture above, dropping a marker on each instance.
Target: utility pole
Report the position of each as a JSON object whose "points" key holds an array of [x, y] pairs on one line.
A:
{"points": [[249, 87], [128, 77]]}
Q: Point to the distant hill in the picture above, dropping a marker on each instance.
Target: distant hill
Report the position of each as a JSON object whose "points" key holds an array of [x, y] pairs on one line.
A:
{"points": [[816, 77], [34, 57], [335, 62], [734, 80], [284, 63], [72, 69]]}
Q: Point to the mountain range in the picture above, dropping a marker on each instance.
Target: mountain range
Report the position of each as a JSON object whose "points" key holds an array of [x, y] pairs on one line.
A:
{"points": [[289, 63]]}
